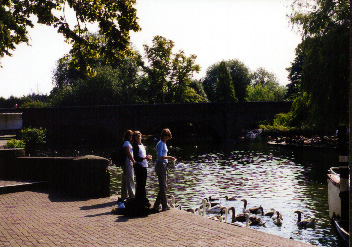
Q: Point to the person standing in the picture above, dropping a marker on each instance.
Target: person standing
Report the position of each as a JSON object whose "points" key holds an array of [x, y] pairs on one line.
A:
{"points": [[140, 167], [160, 169], [127, 168]]}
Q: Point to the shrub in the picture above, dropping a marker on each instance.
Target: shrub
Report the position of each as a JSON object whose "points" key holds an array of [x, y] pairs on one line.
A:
{"points": [[13, 143], [33, 138]]}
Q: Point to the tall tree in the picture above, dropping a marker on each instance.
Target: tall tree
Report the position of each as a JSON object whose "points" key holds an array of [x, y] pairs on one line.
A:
{"points": [[325, 68], [239, 72], [169, 75], [225, 91], [115, 18]]}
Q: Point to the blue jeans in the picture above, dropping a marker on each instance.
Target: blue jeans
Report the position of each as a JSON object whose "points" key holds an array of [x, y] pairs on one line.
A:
{"points": [[160, 169]]}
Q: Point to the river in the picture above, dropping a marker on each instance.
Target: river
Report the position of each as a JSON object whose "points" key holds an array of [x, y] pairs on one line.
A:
{"points": [[283, 178]]}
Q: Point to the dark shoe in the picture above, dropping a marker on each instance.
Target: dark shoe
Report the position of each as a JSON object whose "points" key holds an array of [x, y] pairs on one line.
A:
{"points": [[167, 208], [154, 210]]}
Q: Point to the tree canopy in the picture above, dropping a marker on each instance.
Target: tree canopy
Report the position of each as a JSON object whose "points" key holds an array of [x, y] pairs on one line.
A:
{"points": [[115, 19]]}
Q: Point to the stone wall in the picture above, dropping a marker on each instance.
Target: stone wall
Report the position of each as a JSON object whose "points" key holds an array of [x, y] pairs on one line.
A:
{"points": [[85, 176], [105, 124]]}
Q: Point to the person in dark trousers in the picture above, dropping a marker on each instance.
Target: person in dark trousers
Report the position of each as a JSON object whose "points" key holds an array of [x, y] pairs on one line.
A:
{"points": [[140, 167], [160, 169]]}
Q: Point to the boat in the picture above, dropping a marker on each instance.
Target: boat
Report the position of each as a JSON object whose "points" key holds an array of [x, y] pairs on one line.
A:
{"points": [[339, 218]]}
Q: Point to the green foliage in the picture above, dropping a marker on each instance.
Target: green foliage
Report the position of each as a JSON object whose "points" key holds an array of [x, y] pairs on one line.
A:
{"points": [[321, 67], [265, 87], [13, 143], [225, 91], [33, 138], [32, 100], [240, 75], [168, 75], [115, 19]]}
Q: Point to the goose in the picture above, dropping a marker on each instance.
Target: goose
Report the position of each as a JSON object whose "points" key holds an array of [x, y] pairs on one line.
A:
{"points": [[256, 210], [230, 198], [305, 223], [271, 213], [278, 220]]}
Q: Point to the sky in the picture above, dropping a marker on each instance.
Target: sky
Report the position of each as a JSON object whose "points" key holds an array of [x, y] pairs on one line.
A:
{"points": [[256, 32]]}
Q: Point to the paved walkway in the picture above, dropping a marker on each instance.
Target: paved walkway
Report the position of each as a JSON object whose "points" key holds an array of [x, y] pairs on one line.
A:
{"points": [[36, 218]]}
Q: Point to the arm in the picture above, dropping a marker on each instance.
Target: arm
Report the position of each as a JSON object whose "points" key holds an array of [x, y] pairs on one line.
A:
{"points": [[129, 155]]}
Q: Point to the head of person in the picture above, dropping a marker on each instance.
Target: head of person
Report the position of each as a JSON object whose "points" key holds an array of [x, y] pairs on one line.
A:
{"points": [[166, 133], [137, 135], [128, 135]]}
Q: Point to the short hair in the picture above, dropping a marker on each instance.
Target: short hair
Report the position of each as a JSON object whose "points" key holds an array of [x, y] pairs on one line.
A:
{"points": [[127, 134], [166, 132]]}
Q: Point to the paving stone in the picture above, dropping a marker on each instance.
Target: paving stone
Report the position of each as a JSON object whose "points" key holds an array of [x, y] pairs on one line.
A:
{"points": [[36, 218]]}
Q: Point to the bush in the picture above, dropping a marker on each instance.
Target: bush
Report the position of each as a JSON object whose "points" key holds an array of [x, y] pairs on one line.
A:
{"points": [[13, 143], [33, 138]]}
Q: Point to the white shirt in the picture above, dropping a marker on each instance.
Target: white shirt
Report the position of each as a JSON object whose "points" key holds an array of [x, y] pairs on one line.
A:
{"points": [[142, 153]]}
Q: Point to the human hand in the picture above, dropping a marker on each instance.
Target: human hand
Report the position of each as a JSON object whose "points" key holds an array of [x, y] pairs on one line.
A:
{"points": [[149, 157]]}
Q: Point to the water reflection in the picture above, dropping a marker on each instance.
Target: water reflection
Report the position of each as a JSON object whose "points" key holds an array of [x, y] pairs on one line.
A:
{"points": [[268, 176]]}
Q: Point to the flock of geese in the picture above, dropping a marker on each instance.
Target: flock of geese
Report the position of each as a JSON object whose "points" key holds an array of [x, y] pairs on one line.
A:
{"points": [[248, 217]]}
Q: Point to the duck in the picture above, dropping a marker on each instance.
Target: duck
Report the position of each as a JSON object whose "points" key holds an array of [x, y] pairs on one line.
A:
{"points": [[304, 223], [278, 220], [271, 213], [230, 198], [255, 210]]}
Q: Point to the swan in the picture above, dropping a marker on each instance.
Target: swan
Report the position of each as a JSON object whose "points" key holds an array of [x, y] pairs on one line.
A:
{"points": [[239, 217], [215, 209], [198, 210], [305, 223], [230, 198], [237, 223], [190, 210], [278, 220], [271, 213], [205, 205], [226, 211], [217, 217], [256, 221], [173, 203], [277, 214], [212, 201], [256, 210]]}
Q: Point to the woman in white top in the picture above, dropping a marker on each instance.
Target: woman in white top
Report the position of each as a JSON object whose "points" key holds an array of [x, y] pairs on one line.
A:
{"points": [[140, 167], [127, 169]]}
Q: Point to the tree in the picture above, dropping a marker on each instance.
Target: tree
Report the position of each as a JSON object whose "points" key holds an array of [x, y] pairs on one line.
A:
{"points": [[240, 78], [168, 75], [325, 61], [264, 87], [295, 75], [225, 91], [115, 19]]}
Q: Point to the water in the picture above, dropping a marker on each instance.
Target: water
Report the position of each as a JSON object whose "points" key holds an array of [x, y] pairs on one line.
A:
{"points": [[285, 179]]}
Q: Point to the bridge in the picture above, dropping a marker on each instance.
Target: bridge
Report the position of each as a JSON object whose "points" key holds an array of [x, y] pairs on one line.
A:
{"points": [[106, 124]]}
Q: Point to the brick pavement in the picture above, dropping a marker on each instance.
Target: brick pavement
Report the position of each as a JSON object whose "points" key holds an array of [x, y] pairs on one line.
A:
{"points": [[35, 218]]}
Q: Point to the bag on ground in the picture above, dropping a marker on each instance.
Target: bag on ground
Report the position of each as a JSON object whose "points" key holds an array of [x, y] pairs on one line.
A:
{"points": [[135, 207]]}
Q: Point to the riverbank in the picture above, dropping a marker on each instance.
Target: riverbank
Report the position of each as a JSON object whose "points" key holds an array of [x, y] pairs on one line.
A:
{"points": [[36, 218]]}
